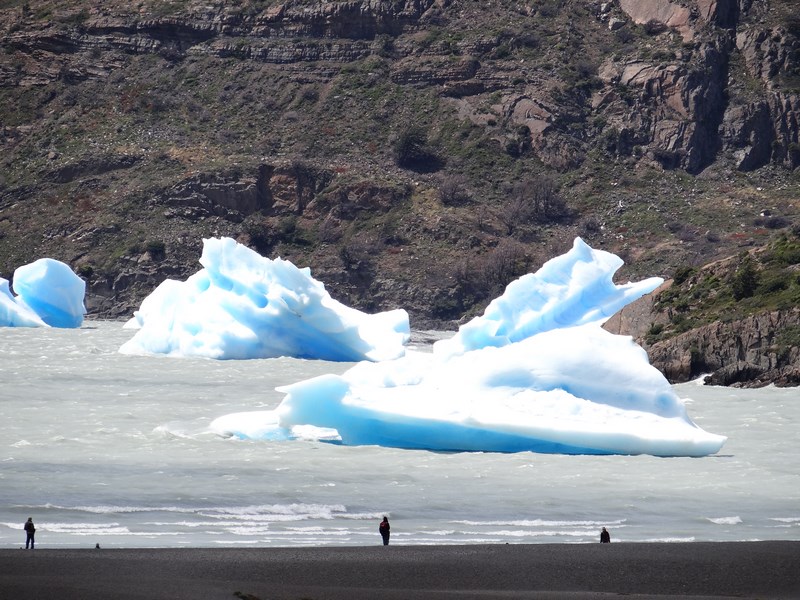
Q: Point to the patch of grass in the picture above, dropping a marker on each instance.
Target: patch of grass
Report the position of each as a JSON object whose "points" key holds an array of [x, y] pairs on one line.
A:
{"points": [[753, 283]]}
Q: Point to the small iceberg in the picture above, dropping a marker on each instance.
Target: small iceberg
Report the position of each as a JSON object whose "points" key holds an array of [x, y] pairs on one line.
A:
{"points": [[49, 294], [242, 305]]}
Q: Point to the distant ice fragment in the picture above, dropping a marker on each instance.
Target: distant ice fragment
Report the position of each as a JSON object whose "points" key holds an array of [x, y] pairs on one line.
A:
{"points": [[49, 294], [242, 305], [535, 372], [264, 425]]}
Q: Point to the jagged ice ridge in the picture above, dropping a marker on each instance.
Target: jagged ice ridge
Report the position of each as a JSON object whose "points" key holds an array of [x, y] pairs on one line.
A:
{"points": [[242, 305]]}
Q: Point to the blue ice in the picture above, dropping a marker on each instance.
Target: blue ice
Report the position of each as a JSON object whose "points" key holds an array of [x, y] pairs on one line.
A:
{"points": [[536, 372], [48, 294]]}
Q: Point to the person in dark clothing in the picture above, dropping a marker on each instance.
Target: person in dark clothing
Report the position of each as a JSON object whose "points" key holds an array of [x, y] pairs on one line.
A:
{"points": [[384, 530], [605, 537], [29, 531]]}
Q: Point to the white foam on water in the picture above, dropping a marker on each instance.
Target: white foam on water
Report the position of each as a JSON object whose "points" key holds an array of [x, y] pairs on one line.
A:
{"points": [[513, 533], [544, 523], [84, 529], [725, 520], [787, 520]]}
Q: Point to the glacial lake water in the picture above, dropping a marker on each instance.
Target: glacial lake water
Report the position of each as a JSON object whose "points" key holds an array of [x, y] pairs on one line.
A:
{"points": [[104, 448]]}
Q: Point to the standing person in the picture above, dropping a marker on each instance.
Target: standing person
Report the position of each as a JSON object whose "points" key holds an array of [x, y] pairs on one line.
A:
{"points": [[29, 531], [384, 530], [605, 537]]}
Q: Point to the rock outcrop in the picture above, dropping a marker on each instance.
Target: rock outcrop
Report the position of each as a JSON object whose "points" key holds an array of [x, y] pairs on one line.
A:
{"points": [[670, 14], [675, 107], [684, 112], [750, 352], [766, 129], [742, 351], [229, 199]]}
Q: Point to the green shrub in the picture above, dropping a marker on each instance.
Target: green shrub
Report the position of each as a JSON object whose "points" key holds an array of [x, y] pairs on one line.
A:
{"points": [[261, 238], [682, 273], [745, 280], [654, 332], [86, 271], [774, 283], [412, 152], [156, 248]]}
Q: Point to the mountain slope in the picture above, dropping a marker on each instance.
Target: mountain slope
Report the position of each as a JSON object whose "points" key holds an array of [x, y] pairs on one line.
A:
{"points": [[414, 154]]}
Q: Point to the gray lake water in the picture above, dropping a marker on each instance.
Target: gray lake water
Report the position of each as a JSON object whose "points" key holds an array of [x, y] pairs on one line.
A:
{"points": [[103, 448]]}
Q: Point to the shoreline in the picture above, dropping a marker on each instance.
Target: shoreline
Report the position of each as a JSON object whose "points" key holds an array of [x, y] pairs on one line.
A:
{"points": [[507, 571]]}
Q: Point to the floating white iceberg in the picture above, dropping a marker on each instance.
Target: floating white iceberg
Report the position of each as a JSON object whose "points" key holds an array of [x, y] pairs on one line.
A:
{"points": [[535, 373], [49, 294], [242, 305]]}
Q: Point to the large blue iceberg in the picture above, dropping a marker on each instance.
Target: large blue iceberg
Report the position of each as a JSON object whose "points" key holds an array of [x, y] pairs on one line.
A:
{"points": [[536, 372], [49, 294], [242, 305]]}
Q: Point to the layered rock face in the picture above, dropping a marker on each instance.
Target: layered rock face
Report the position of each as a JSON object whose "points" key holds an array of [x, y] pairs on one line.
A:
{"points": [[689, 107], [284, 33], [746, 353], [719, 79]]}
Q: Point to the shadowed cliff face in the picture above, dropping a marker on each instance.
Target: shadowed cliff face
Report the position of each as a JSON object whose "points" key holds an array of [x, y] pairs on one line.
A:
{"points": [[683, 104], [418, 154]]}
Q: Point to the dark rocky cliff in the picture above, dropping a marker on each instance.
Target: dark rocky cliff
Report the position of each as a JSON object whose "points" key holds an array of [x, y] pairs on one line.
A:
{"points": [[754, 351], [746, 353], [414, 154], [735, 321]]}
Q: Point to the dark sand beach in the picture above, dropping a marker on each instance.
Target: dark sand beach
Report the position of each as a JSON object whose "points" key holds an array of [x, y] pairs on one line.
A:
{"points": [[657, 570]]}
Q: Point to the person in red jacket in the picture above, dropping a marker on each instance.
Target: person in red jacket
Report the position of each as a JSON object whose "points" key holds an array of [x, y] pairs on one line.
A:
{"points": [[384, 530]]}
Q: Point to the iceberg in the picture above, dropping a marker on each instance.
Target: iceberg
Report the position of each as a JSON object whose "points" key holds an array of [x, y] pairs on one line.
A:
{"points": [[242, 305], [536, 372], [49, 294]]}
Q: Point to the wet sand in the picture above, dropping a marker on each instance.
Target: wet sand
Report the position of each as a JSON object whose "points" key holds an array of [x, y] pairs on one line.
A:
{"points": [[638, 571]]}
